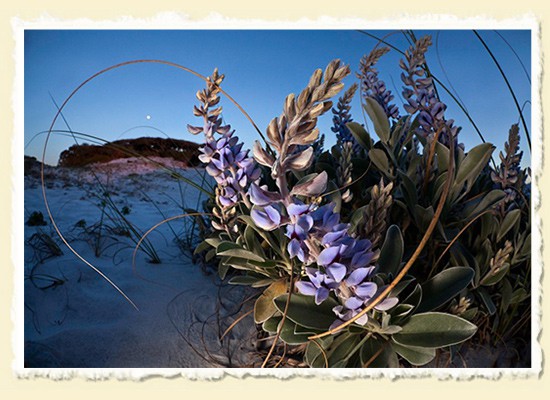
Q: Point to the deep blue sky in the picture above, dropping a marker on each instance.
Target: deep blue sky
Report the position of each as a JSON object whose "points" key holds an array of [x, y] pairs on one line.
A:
{"points": [[261, 68]]}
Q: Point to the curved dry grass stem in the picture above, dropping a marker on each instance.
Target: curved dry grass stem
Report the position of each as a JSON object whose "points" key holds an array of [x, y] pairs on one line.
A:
{"points": [[431, 155], [243, 316], [323, 352], [413, 258], [375, 356]]}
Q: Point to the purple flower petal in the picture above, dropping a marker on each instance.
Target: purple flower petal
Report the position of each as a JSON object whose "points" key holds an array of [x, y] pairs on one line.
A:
{"points": [[327, 256], [362, 320], [273, 214], [366, 290], [337, 271], [321, 295], [295, 209], [336, 324], [353, 303], [361, 259], [315, 276], [357, 276], [295, 250], [261, 197], [306, 288], [386, 304], [262, 219], [332, 237]]}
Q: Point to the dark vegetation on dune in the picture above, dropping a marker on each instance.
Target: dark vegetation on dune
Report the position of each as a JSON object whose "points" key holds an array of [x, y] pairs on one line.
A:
{"points": [[86, 154]]}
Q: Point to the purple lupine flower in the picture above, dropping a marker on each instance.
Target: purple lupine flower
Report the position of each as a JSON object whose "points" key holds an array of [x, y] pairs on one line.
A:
{"points": [[267, 218], [355, 293], [232, 168], [372, 86], [344, 263], [421, 96], [319, 286], [342, 116]]}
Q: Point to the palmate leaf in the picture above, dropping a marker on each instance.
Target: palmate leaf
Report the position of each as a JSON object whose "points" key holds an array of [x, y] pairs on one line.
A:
{"points": [[434, 330]]}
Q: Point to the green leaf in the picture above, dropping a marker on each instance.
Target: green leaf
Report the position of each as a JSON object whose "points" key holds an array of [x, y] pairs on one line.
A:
{"points": [[303, 310], [414, 355], [444, 286], [492, 277], [203, 246], [488, 201], [342, 347], [245, 280], [222, 269], [434, 330], [270, 325], [264, 307], [238, 252], [379, 119], [487, 301], [508, 223], [380, 160], [214, 242], [379, 354], [392, 251], [360, 134], [288, 336], [474, 162], [314, 356], [408, 188], [415, 297], [442, 153]]}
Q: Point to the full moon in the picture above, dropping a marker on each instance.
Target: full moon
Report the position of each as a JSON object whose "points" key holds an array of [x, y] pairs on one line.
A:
{"points": [[148, 117]]}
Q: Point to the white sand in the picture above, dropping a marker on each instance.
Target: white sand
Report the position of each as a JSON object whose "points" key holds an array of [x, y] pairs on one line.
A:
{"points": [[84, 322]]}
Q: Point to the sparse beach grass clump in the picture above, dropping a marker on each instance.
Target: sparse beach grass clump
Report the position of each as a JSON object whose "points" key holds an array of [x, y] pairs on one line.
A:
{"points": [[395, 246]]}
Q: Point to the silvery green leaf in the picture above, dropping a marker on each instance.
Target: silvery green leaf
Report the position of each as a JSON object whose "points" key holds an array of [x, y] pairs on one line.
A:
{"points": [[508, 223], [379, 119], [417, 356], [360, 134], [473, 163], [434, 330], [444, 286], [380, 160], [311, 185]]}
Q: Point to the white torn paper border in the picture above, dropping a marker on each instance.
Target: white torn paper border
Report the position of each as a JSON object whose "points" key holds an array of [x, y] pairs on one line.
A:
{"points": [[170, 20]]}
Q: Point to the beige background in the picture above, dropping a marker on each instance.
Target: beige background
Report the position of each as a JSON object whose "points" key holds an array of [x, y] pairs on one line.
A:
{"points": [[260, 388]]}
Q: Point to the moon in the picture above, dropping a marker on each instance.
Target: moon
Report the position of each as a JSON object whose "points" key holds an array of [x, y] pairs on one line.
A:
{"points": [[148, 117]]}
